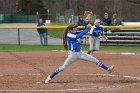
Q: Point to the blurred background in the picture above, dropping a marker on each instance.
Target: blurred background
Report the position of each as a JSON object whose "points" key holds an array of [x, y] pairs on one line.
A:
{"points": [[28, 11]]}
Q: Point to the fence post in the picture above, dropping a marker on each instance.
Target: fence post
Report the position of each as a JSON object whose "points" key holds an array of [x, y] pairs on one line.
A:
{"points": [[106, 36], [18, 36], [46, 37]]}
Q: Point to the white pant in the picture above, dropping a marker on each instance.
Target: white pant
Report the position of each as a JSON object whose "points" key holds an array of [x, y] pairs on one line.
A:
{"points": [[77, 55], [94, 43]]}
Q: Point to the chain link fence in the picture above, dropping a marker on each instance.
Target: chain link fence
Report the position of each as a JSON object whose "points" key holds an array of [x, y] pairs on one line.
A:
{"points": [[9, 18]]}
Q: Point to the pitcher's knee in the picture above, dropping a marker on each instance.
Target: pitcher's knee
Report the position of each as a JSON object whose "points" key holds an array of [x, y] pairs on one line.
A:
{"points": [[62, 67]]}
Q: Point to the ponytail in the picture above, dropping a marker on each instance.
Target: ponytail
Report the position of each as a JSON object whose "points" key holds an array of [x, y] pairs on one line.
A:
{"points": [[70, 27], [64, 38]]}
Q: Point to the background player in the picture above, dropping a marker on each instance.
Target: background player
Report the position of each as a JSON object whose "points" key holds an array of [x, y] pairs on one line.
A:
{"points": [[81, 22], [42, 32], [72, 44], [94, 38]]}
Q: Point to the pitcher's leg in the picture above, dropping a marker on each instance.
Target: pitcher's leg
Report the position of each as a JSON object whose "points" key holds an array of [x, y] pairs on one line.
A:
{"points": [[90, 58], [67, 62], [71, 58], [87, 57]]}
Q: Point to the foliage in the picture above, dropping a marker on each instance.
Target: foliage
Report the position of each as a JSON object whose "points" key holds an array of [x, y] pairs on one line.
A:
{"points": [[134, 1], [126, 9], [30, 7]]}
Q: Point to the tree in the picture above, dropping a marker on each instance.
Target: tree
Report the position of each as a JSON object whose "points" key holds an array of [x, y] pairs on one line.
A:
{"points": [[8, 6], [134, 1], [126, 9], [30, 7]]}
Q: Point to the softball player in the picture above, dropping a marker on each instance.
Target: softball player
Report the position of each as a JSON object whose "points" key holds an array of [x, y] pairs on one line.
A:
{"points": [[94, 38], [72, 44]]}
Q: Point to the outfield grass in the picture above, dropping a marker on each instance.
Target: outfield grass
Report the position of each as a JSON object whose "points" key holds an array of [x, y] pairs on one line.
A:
{"points": [[121, 48], [34, 48], [117, 48], [26, 48], [57, 33], [59, 24]]}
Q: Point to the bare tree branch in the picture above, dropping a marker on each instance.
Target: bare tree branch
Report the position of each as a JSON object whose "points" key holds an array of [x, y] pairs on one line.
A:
{"points": [[134, 1]]}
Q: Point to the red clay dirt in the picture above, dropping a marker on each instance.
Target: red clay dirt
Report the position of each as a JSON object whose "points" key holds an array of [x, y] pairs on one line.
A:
{"points": [[26, 72]]}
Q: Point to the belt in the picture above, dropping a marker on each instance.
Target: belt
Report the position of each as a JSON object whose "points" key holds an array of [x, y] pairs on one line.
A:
{"points": [[75, 50]]}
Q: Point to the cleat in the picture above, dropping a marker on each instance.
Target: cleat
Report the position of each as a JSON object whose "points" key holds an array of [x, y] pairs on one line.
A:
{"points": [[89, 52], [111, 68], [47, 80]]}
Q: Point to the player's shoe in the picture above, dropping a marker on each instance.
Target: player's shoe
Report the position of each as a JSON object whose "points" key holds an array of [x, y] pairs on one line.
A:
{"points": [[89, 52], [111, 68], [48, 79]]}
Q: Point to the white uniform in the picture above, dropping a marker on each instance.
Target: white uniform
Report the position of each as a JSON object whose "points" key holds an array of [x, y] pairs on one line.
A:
{"points": [[94, 38]]}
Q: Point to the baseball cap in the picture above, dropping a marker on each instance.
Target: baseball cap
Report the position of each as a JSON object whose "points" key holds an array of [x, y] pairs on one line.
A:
{"points": [[105, 13]]}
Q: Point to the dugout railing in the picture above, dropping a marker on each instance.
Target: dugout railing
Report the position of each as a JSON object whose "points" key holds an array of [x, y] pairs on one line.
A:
{"points": [[122, 37], [135, 36], [127, 34]]}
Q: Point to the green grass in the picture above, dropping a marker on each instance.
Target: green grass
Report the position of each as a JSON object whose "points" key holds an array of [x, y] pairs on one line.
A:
{"points": [[121, 48], [118, 48], [57, 33], [59, 24], [34, 48], [27, 48]]}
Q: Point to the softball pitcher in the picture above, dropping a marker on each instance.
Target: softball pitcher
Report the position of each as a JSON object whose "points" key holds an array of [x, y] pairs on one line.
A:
{"points": [[72, 44], [94, 38]]}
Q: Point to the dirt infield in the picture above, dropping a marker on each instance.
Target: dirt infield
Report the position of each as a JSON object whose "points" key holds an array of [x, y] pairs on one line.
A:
{"points": [[26, 71]]}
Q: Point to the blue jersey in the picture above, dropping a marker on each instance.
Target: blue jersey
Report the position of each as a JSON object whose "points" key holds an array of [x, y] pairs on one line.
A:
{"points": [[74, 43], [96, 31]]}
